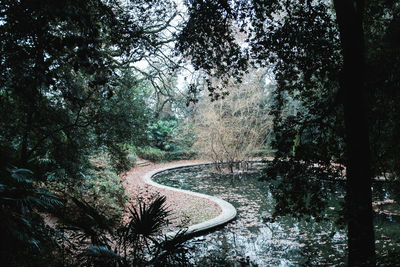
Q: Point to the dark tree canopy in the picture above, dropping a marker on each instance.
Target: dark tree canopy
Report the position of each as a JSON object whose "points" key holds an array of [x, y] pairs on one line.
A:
{"points": [[327, 59], [60, 81], [66, 92]]}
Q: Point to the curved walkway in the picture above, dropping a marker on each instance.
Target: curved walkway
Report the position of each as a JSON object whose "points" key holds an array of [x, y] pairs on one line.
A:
{"points": [[228, 211], [139, 181]]}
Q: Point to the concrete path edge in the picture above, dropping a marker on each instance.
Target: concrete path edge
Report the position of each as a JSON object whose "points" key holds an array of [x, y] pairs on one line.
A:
{"points": [[228, 210]]}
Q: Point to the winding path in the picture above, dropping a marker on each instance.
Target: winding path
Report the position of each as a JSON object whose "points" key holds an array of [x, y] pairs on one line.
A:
{"points": [[139, 181]]}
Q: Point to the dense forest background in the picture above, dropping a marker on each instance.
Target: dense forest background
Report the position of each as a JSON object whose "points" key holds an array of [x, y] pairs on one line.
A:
{"points": [[86, 87]]}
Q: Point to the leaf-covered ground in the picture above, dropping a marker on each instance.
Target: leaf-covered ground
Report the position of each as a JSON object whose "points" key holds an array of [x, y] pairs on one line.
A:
{"points": [[185, 209]]}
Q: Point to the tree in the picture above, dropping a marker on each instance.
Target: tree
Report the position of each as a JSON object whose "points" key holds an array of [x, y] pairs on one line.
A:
{"points": [[66, 90], [60, 66], [232, 130], [361, 240], [317, 51]]}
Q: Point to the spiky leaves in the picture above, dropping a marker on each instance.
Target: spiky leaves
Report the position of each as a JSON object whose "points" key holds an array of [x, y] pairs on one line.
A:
{"points": [[138, 242], [21, 226]]}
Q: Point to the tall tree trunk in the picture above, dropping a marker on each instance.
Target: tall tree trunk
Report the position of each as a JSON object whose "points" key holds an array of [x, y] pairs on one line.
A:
{"points": [[361, 240], [25, 138]]}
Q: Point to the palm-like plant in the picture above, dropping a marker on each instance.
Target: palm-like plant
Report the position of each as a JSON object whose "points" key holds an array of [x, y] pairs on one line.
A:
{"points": [[148, 221], [139, 242], [88, 226], [21, 226]]}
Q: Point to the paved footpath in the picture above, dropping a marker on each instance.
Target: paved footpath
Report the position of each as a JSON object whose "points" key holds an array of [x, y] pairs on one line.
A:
{"points": [[209, 212]]}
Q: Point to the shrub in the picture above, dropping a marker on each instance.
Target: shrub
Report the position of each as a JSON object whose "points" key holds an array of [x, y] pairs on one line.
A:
{"points": [[151, 153], [132, 157], [105, 190], [156, 155], [181, 155], [122, 157], [161, 134], [25, 240], [102, 189], [99, 186]]}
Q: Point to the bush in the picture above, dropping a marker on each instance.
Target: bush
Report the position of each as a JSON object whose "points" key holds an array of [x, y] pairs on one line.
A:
{"points": [[102, 189], [121, 157], [181, 155], [99, 186], [151, 153], [25, 239], [105, 191], [161, 134], [132, 157], [156, 155]]}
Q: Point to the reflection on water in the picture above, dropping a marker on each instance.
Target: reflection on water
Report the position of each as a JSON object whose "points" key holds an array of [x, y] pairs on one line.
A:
{"points": [[251, 239]]}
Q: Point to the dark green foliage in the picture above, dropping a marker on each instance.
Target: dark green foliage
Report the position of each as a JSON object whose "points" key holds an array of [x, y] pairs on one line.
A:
{"points": [[310, 131], [181, 155], [169, 140], [124, 120], [383, 82], [303, 50], [100, 186], [60, 85], [161, 134], [147, 221], [208, 39], [88, 225], [151, 153], [66, 93], [24, 236], [102, 189], [157, 155]]}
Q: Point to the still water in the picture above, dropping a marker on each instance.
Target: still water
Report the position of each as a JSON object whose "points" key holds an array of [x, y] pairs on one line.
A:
{"points": [[251, 239]]}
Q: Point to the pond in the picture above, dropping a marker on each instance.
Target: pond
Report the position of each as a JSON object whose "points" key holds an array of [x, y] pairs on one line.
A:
{"points": [[251, 239]]}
